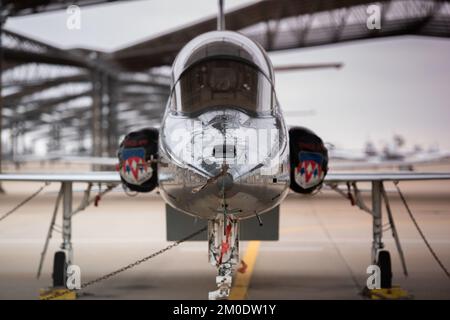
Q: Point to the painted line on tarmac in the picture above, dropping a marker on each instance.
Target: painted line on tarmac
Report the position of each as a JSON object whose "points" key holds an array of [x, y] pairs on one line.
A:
{"points": [[239, 290]]}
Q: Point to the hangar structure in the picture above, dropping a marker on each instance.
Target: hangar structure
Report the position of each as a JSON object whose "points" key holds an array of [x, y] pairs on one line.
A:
{"points": [[72, 96], [65, 95]]}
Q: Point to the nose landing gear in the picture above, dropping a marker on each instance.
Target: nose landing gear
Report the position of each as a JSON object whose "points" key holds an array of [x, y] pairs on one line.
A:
{"points": [[223, 242]]}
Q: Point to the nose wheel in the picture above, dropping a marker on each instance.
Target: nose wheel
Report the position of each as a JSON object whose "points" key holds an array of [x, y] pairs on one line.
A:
{"points": [[223, 288], [223, 242]]}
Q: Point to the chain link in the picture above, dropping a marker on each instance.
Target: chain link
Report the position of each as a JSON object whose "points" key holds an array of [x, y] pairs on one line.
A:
{"points": [[24, 201], [131, 265], [422, 235]]}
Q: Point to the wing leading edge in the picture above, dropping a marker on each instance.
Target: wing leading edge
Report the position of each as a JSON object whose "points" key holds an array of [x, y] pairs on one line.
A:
{"points": [[385, 176], [113, 177], [93, 177]]}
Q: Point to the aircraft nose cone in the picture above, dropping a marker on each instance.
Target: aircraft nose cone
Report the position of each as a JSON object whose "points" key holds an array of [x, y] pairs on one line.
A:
{"points": [[225, 182]]}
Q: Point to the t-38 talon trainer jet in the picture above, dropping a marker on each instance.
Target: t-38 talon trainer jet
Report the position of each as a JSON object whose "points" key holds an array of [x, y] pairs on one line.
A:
{"points": [[223, 151]]}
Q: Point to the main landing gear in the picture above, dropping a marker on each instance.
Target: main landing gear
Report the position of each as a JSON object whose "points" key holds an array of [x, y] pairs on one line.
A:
{"points": [[63, 258], [380, 256]]}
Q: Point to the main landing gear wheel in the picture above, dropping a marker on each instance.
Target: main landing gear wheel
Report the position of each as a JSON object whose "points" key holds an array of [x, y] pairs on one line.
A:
{"points": [[59, 269], [384, 263]]}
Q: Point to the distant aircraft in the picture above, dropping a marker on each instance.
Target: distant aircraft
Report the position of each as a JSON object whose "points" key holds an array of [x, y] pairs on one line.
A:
{"points": [[390, 156]]}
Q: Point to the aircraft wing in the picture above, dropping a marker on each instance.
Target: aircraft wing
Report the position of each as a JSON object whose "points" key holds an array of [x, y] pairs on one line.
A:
{"points": [[93, 177], [385, 176], [113, 177], [378, 163]]}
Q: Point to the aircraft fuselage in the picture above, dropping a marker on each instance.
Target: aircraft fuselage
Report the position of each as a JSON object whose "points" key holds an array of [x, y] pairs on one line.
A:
{"points": [[223, 143]]}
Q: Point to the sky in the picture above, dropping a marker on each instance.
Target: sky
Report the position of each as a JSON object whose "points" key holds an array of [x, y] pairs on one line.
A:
{"points": [[398, 85]]}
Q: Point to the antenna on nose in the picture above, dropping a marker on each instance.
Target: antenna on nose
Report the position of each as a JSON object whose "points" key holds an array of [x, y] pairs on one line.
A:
{"points": [[221, 17]]}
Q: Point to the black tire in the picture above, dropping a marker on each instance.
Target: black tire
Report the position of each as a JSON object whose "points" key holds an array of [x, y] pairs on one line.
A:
{"points": [[59, 269], [384, 262]]}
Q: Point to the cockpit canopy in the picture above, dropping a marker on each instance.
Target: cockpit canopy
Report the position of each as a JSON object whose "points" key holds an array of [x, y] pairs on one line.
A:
{"points": [[222, 69]]}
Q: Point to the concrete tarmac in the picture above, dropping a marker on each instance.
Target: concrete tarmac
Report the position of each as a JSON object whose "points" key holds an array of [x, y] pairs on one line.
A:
{"points": [[323, 252]]}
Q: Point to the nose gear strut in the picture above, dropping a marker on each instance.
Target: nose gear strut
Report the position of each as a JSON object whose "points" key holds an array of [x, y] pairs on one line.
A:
{"points": [[223, 242]]}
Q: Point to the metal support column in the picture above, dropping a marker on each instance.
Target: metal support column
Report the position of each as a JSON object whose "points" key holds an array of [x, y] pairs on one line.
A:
{"points": [[1, 84], [96, 117], [103, 93], [112, 129], [377, 226], [67, 221]]}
